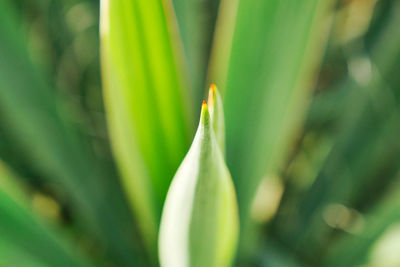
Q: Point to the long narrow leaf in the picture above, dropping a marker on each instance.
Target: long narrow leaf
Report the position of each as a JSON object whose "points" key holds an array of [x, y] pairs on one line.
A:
{"points": [[149, 118], [276, 50]]}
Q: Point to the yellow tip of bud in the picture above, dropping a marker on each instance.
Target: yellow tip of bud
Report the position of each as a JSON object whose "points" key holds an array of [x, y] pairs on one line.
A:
{"points": [[205, 115], [211, 95]]}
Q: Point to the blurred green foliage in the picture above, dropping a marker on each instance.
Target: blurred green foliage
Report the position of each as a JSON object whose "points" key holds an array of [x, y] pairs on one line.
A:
{"points": [[311, 94]]}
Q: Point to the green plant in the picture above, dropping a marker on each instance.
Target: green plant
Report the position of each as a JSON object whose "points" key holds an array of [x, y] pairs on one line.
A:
{"points": [[200, 212], [310, 176]]}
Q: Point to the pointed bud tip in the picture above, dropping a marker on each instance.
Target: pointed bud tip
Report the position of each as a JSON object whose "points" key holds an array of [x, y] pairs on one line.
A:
{"points": [[211, 95], [204, 105], [204, 109]]}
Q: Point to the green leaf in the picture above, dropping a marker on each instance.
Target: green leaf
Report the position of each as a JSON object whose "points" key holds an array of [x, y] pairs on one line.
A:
{"points": [[199, 224], [148, 112], [270, 68], [26, 240]]}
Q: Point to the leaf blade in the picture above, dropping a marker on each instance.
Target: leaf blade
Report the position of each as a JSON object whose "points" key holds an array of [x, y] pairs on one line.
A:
{"points": [[274, 71], [148, 111]]}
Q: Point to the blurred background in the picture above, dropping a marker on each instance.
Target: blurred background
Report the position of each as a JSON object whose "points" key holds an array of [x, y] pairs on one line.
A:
{"points": [[333, 198]]}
